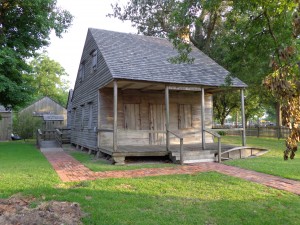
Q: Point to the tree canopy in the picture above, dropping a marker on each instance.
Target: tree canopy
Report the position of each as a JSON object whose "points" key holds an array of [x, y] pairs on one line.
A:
{"points": [[25, 26], [48, 78]]}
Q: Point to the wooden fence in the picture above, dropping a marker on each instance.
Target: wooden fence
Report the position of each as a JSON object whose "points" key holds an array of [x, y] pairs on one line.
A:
{"points": [[275, 132]]}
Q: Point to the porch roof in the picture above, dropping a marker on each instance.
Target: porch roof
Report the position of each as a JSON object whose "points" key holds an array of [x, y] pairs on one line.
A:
{"points": [[143, 58]]}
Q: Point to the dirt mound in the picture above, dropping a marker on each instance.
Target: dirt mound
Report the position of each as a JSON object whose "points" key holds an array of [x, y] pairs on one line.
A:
{"points": [[19, 210]]}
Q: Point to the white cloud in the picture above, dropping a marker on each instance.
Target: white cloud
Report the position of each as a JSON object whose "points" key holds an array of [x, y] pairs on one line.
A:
{"points": [[89, 13]]}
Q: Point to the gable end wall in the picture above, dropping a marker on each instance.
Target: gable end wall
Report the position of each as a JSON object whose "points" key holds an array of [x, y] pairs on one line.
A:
{"points": [[85, 93]]}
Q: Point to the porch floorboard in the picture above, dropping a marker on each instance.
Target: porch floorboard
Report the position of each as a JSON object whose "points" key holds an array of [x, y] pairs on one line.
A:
{"points": [[160, 150]]}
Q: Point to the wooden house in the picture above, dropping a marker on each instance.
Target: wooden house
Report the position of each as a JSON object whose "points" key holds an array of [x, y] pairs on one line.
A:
{"points": [[129, 100], [5, 123], [34, 114]]}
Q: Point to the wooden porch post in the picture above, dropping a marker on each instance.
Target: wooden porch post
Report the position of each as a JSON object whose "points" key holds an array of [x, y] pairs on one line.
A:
{"points": [[243, 117], [115, 126], [203, 117], [167, 117]]}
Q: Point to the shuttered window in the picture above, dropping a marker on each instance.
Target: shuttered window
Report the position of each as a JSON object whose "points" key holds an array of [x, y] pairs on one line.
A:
{"points": [[90, 115], [81, 71], [132, 117], [74, 119], [185, 116], [82, 116], [94, 60]]}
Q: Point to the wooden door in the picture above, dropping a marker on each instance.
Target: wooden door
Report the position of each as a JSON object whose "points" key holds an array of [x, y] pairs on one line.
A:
{"points": [[157, 120], [5, 124], [132, 117]]}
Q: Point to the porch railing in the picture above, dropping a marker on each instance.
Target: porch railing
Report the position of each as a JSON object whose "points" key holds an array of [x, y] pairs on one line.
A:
{"points": [[181, 145], [62, 136], [107, 130], [39, 137], [219, 142]]}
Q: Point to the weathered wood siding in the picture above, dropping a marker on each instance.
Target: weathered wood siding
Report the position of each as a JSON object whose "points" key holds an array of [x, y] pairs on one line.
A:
{"points": [[152, 116], [5, 126], [33, 114], [84, 123], [45, 105], [69, 109]]}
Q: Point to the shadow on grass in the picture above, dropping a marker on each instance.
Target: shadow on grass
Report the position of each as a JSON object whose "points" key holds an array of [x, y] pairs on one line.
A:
{"points": [[207, 198]]}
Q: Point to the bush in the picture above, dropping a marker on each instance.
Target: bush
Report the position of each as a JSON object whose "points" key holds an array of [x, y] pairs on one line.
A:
{"points": [[222, 133]]}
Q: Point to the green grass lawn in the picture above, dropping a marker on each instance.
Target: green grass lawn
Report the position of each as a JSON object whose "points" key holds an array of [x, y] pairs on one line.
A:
{"points": [[271, 162], [103, 165], [204, 198]]}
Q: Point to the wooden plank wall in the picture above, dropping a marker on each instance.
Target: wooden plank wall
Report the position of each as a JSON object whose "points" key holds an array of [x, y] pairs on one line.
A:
{"points": [[86, 93], [45, 104], [5, 126], [147, 100]]}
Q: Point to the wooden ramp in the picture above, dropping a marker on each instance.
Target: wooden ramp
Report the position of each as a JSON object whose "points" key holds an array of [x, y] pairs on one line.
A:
{"points": [[242, 152], [50, 146]]}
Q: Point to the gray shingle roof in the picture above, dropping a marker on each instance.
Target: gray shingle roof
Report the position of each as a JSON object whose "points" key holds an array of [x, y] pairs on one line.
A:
{"points": [[2, 109], [143, 58]]}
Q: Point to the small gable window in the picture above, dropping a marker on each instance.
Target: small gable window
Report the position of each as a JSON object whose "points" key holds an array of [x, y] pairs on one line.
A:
{"points": [[81, 71], [94, 60]]}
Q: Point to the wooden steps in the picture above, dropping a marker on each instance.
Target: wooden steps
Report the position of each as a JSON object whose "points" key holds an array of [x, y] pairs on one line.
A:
{"points": [[194, 156], [49, 144]]}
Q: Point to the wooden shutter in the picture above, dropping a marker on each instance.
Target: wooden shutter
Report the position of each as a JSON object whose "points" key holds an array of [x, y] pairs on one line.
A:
{"points": [[90, 115], [132, 117], [185, 116], [74, 119], [82, 116], [81, 71], [94, 60]]}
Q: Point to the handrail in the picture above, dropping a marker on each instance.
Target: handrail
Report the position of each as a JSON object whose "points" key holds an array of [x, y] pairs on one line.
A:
{"points": [[210, 131], [105, 130], [181, 145], [227, 129], [39, 136], [143, 131], [58, 136], [219, 142]]}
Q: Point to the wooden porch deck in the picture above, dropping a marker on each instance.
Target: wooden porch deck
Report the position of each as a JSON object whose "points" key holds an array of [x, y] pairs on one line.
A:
{"points": [[160, 150]]}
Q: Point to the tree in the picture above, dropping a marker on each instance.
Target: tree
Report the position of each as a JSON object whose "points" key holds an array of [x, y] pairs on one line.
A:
{"points": [[25, 27], [284, 82], [47, 79], [224, 103]]}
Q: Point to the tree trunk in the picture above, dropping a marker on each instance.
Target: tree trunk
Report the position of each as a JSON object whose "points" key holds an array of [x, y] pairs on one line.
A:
{"points": [[278, 119], [222, 120]]}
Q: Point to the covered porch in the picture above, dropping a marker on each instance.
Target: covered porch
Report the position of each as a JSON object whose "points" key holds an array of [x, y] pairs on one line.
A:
{"points": [[181, 145]]}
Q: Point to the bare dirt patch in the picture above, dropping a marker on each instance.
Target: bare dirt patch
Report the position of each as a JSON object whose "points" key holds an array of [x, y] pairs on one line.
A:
{"points": [[18, 210]]}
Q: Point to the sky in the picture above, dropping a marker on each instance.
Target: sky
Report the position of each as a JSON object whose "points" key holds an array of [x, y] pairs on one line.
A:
{"points": [[88, 13]]}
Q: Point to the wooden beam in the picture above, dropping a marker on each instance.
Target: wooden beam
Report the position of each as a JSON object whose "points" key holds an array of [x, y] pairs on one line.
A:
{"points": [[148, 87], [167, 117], [184, 88], [115, 126], [127, 86], [243, 117], [203, 117]]}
